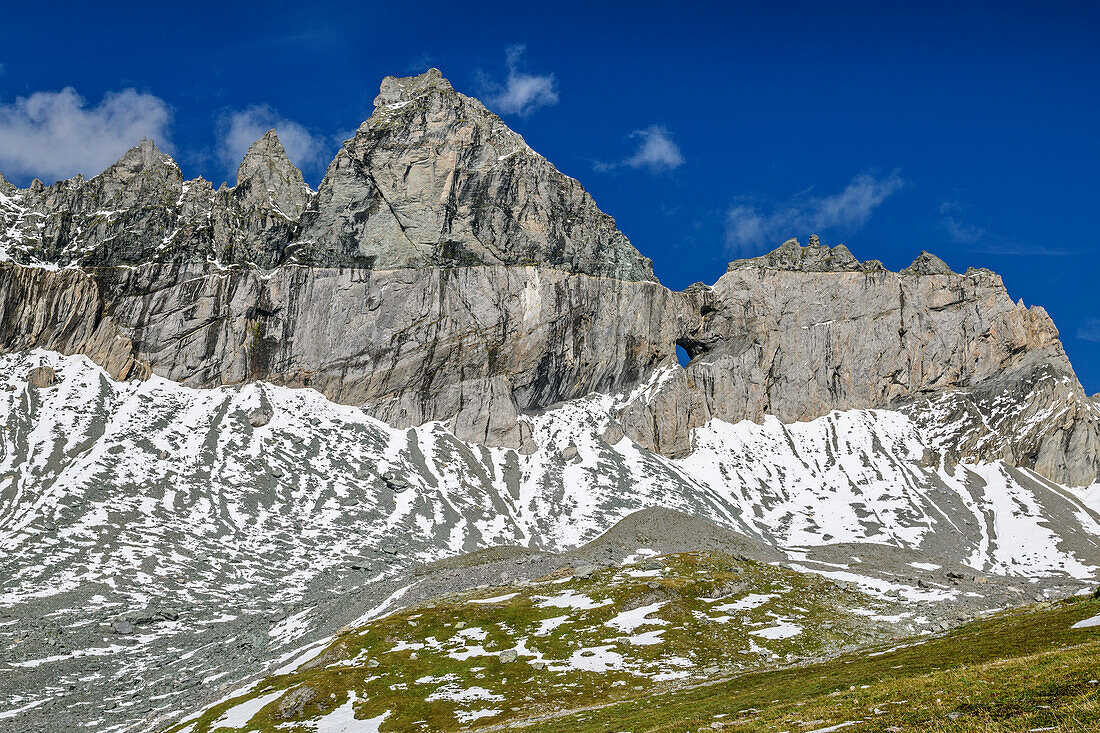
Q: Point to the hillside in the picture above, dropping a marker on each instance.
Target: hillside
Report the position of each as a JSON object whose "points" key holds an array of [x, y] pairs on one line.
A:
{"points": [[678, 641]]}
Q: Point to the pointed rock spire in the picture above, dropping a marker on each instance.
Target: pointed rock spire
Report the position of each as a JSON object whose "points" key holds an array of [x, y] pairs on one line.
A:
{"points": [[144, 155], [927, 264], [271, 177], [435, 178], [142, 177]]}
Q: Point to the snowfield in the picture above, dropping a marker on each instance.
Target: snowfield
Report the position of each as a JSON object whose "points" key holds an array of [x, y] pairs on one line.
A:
{"points": [[143, 498]]}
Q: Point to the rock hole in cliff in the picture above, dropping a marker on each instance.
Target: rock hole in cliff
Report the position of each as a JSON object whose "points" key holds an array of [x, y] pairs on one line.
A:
{"points": [[688, 348]]}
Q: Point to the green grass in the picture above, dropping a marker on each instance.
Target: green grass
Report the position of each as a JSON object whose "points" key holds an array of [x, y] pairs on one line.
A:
{"points": [[709, 667], [420, 654], [1019, 671]]}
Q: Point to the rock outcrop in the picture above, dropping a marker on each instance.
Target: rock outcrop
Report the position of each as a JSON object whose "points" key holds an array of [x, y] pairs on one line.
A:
{"points": [[814, 257], [444, 271], [791, 335]]}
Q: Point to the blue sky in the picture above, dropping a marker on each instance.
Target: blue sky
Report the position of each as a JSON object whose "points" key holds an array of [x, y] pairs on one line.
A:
{"points": [[967, 129]]}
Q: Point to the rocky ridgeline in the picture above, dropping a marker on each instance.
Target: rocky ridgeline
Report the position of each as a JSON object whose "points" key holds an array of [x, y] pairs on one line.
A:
{"points": [[445, 271], [431, 179]]}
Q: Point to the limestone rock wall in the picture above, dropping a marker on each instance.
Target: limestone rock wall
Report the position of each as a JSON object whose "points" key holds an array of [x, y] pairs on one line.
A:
{"points": [[445, 271], [473, 346], [776, 339]]}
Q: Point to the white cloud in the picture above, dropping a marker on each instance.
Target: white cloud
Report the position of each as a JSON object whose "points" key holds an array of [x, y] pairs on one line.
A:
{"points": [[1090, 331], [958, 232], [56, 134], [241, 128], [748, 229], [657, 151], [522, 93], [420, 64]]}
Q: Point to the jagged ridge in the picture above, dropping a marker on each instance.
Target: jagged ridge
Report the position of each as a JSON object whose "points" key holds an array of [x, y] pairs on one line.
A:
{"points": [[433, 178], [400, 290]]}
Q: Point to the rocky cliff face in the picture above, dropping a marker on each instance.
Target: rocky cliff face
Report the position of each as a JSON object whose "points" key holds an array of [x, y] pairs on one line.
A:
{"points": [[806, 330], [472, 345], [434, 178], [444, 271]]}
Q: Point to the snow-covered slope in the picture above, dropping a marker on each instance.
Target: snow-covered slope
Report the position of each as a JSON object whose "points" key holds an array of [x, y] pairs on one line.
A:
{"points": [[165, 505]]}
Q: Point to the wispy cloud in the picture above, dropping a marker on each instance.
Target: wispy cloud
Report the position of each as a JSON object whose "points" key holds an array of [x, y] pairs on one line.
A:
{"points": [[1090, 331], [656, 152], [420, 64], [521, 93], [239, 129], [57, 134], [322, 36], [981, 240], [748, 228]]}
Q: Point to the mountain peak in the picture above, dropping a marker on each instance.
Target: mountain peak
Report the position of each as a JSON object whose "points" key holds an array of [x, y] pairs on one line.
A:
{"points": [[398, 89], [266, 158], [927, 264], [434, 178], [145, 154]]}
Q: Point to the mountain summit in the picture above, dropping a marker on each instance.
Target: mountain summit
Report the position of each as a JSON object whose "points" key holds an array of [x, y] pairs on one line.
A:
{"points": [[433, 178], [445, 271]]}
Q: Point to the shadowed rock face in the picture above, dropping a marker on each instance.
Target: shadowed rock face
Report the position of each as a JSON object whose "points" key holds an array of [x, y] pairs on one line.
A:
{"points": [[140, 210], [444, 271], [433, 178]]}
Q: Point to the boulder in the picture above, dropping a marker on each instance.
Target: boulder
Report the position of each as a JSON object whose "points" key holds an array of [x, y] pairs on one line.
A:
{"points": [[612, 434], [260, 416], [294, 702], [41, 377]]}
